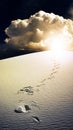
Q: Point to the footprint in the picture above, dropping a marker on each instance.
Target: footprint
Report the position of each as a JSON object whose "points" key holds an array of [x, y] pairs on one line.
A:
{"points": [[28, 90], [22, 109], [36, 119]]}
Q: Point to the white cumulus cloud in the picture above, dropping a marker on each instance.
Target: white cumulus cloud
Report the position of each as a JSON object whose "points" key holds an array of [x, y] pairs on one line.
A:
{"points": [[40, 32]]}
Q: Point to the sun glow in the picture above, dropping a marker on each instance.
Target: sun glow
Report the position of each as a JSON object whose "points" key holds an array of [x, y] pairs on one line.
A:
{"points": [[58, 42]]}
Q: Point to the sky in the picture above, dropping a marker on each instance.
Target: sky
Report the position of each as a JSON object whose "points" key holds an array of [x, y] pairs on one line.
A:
{"points": [[22, 9]]}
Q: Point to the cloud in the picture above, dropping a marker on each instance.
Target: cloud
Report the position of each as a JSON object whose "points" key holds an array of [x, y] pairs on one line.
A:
{"points": [[40, 32]]}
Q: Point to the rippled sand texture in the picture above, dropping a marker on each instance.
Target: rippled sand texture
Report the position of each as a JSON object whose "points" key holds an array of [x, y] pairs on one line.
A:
{"points": [[40, 85]]}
